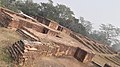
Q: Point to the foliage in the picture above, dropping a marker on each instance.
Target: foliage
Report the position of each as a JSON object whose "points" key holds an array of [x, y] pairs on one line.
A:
{"points": [[87, 25], [107, 33], [110, 30], [99, 36], [10, 4]]}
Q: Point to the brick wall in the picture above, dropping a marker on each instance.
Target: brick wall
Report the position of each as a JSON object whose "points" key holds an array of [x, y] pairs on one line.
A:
{"points": [[26, 49], [53, 25]]}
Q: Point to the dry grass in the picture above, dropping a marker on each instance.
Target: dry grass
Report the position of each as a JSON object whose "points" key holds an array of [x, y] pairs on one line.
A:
{"points": [[7, 37]]}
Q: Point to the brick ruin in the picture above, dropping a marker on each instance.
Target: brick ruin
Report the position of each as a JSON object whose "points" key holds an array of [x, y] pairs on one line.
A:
{"points": [[22, 50], [15, 20]]}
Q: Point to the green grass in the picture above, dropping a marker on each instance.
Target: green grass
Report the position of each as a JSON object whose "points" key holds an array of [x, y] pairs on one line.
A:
{"points": [[7, 38]]}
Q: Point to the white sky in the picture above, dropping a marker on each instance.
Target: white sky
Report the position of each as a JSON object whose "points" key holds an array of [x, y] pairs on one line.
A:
{"points": [[95, 11]]}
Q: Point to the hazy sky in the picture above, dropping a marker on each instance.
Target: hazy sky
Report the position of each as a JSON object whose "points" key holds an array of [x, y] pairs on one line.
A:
{"points": [[95, 11]]}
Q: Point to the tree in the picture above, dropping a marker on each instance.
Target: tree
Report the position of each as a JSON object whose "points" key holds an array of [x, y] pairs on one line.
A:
{"points": [[107, 33], [10, 4], [110, 30], [87, 25], [99, 36], [28, 7]]}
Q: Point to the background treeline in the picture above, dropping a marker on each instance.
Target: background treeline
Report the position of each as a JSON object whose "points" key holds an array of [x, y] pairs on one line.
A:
{"points": [[107, 33]]}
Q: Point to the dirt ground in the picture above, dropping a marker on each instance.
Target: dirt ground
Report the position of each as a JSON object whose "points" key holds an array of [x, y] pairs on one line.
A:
{"points": [[56, 62]]}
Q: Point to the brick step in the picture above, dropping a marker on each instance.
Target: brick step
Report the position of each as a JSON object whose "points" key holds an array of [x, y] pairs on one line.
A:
{"points": [[13, 53], [26, 35], [18, 50], [115, 59], [109, 51], [21, 43], [26, 29], [77, 38], [112, 61]]}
